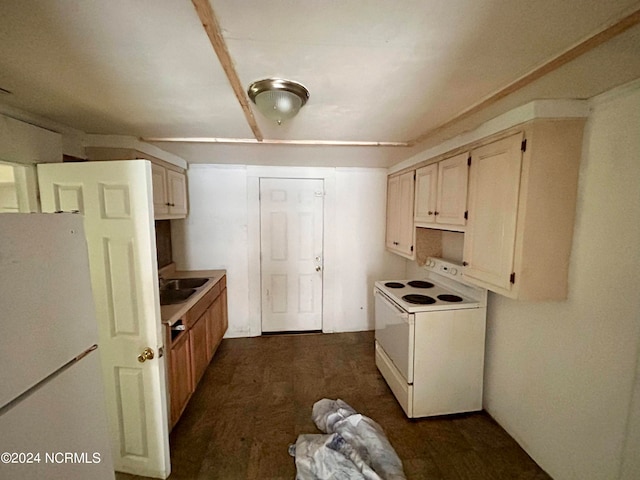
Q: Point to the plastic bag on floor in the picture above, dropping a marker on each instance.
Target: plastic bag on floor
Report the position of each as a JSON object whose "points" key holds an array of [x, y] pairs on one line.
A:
{"points": [[355, 447]]}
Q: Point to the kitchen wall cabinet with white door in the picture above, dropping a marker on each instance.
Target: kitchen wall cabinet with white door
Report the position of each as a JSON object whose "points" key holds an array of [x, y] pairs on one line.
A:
{"points": [[441, 194], [400, 235], [169, 180], [169, 192], [522, 201]]}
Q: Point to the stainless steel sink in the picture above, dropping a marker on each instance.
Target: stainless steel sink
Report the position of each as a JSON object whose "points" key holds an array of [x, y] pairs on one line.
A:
{"points": [[181, 283], [172, 295]]}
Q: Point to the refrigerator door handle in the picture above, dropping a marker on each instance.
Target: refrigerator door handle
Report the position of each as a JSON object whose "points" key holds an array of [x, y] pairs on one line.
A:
{"points": [[85, 353]]}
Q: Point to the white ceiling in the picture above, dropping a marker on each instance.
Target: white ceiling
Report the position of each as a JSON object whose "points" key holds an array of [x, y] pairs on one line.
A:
{"points": [[378, 71]]}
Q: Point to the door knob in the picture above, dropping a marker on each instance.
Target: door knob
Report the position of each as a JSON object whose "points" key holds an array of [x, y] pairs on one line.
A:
{"points": [[318, 268], [147, 354]]}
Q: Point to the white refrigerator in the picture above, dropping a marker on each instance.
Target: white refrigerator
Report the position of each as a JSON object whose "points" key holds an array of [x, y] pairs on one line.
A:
{"points": [[53, 420]]}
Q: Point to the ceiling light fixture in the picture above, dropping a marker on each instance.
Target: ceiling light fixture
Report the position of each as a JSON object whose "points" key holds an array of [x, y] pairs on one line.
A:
{"points": [[278, 99]]}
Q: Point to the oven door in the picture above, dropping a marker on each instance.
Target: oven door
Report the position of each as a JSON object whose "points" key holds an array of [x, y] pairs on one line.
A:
{"points": [[394, 333]]}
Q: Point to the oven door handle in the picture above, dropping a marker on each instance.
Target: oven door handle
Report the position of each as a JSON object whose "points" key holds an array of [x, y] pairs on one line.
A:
{"points": [[390, 304]]}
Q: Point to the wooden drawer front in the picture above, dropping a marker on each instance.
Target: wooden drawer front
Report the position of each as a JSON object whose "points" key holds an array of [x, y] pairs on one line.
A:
{"points": [[199, 356], [199, 308]]}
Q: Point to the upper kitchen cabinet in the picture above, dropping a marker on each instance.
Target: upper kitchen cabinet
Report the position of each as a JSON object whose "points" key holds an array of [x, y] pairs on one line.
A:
{"points": [[441, 194], [400, 229], [169, 193], [168, 179], [522, 200]]}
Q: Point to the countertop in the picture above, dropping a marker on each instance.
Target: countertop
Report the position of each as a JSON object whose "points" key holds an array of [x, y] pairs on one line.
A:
{"points": [[172, 313]]}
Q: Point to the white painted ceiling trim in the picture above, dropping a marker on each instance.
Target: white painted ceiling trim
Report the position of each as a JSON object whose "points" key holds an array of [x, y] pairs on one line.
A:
{"points": [[123, 141], [273, 142], [525, 113]]}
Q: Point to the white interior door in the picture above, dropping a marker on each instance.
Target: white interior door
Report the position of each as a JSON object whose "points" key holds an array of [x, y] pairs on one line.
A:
{"points": [[291, 217], [116, 201]]}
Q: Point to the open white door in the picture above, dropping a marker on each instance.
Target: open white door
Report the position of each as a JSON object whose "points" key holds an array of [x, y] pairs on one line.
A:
{"points": [[116, 201], [291, 217]]}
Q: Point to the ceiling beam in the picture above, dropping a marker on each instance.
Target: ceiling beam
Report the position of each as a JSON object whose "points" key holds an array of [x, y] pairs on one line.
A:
{"points": [[251, 141], [572, 53], [210, 24]]}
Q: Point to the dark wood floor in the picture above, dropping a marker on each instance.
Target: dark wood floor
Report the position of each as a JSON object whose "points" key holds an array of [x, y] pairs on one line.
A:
{"points": [[256, 398]]}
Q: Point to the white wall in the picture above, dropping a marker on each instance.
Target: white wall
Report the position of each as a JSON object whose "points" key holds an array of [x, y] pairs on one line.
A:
{"points": [[222, 231], [362, 258], [24, 143], [560, 376]]}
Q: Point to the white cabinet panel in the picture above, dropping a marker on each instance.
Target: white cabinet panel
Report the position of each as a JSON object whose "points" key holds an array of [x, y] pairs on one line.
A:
{"points": [[493, 201], [441, 194], [169, 193], [522, 201], [400, 230]]}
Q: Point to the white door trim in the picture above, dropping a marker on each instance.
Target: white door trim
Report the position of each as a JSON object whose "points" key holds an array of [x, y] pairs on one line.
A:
{"points": [[254, 173]]}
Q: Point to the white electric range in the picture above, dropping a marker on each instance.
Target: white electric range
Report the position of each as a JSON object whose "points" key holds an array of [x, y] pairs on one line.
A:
{"points": [[430, 340]]}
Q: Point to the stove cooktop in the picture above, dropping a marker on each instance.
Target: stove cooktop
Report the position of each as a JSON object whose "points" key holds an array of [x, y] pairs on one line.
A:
{"points": [[440, 286], [421, 295]]}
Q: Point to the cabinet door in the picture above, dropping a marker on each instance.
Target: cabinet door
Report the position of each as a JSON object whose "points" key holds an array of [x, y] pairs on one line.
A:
{"points": [[494, 185], [214, 326], [393, 188], [225, 314], [159, 181], [452, 190], [177, 192], [405, 214], [426, 183], [199, 355], [180, 376]]}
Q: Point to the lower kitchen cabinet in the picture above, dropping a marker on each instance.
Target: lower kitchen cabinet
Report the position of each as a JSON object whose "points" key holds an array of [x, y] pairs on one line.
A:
{"points": [[193, 341], [199, 354], [215, 326], [225, 314], [180, 381]]}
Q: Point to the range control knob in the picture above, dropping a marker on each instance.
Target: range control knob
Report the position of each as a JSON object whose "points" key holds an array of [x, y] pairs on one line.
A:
{"points": [[453, 271]]}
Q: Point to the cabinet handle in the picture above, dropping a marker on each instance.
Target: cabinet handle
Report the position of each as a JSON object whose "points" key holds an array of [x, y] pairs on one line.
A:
{"points": [[436, 213], [464, 264], [430, 212]]}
